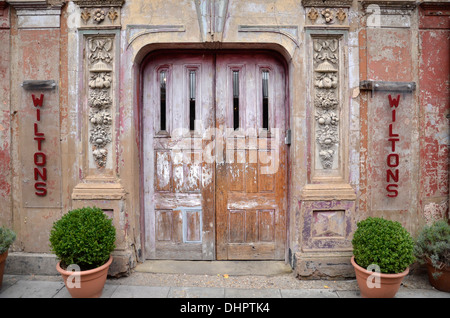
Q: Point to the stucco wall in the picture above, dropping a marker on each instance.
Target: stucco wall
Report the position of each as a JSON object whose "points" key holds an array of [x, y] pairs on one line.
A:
{"points": [[392, 47]]}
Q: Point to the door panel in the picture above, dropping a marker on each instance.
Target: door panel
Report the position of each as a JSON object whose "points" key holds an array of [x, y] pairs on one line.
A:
{"points": [[215, 188], [178, 184], [251, 179]]}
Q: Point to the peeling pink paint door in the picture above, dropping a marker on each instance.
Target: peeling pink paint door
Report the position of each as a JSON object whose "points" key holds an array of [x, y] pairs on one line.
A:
{"points": [[178, 183], [214, 166]]}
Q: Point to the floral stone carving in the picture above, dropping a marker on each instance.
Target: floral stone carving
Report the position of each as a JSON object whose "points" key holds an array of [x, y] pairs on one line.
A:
{"points": [[328, 15], [99, 15], [326, 99], [100, 58], [313, 15], [94, 13]]}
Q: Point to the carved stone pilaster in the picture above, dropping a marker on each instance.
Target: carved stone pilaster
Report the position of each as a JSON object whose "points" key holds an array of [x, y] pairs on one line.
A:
{"points": [[100, 59], [99, 64], [326, 98]]}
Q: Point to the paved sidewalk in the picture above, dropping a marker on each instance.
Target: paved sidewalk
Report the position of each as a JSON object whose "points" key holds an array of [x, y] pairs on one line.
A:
{"points": [[25, 286], [206, 279]]}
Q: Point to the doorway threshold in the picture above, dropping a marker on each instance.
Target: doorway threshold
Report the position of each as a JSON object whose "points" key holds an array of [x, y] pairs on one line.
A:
{"points": [[235, 268]]}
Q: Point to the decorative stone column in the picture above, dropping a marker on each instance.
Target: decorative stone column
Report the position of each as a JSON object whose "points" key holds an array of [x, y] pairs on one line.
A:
{"points": [[99, 41], [327, 202]]}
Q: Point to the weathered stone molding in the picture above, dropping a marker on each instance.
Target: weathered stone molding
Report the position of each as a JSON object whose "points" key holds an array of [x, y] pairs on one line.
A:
{"points": [[99, 3], [394, 14], [290, 31], [327, 3], [136, 31], [36, 4], [98, 191], [390, 5], [37, 14], [320, 192]]}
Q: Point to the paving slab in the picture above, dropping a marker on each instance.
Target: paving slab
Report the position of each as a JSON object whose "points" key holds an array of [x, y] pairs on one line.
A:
{"points": [[308, 293], [24, 286], [122, 291], [348, 293], [252, 293], [32, 289], [402, 293], [63, 293], [421, 293], [196, 292]]}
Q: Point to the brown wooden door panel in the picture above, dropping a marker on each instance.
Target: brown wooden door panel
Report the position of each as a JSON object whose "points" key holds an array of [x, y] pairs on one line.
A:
{"points": [[251, 180]]}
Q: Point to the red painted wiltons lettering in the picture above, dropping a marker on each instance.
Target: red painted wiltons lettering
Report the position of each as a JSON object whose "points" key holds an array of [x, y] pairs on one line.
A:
{"points": [[393, 159], [40, 158]]}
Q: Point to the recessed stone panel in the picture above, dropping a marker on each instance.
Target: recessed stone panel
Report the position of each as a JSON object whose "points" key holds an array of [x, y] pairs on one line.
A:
{"points": [[328, 223]]}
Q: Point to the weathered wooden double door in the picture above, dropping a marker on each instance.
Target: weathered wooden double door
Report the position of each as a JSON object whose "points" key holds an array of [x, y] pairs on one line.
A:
{"points": [[214, 156]]}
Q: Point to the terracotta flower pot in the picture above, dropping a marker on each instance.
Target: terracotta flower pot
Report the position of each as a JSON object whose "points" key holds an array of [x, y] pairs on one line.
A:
{"points": [[388, 286], [85, 284], [2, 265], [441, 282]]}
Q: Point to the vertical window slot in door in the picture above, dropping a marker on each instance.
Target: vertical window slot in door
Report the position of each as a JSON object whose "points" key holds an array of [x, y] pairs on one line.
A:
{"points": [[265, 100], [192, 88], [236, 99], [162, 84]]}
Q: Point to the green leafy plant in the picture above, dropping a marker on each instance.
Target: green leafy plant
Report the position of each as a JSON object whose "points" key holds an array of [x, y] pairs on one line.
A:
{"points": [[84, 237], [433, 243], [7, 237], [383, 242]]}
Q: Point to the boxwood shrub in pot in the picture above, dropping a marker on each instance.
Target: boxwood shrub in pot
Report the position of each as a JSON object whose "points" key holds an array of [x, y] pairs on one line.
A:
{"points": [[83, 239], [386, 247], [432, 247]]}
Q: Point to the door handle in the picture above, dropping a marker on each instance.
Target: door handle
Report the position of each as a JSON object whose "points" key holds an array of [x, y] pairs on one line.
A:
{"points": [[287, 138]]}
